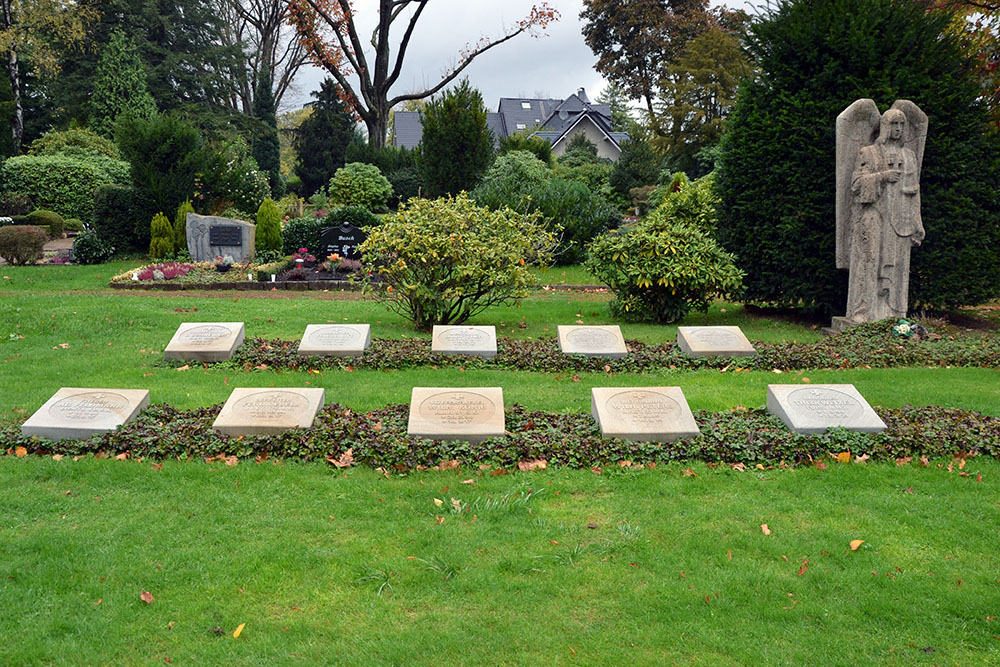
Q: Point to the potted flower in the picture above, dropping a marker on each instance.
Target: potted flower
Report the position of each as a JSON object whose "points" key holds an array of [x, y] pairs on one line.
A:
{"points": [[303, 256], [223, 264]]}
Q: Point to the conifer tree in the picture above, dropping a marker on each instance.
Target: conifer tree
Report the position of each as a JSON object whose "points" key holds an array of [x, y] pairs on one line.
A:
{"points": [[321, 140], [161, 243], [268, 226], [180, 224], [120, 86], [457, 145], [266, 148]]}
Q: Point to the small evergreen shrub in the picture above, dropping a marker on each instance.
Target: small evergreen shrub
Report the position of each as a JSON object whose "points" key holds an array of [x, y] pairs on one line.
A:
{"points": [[539, 147], [691, 202], [405, 183], [443, 261], [660, 270], [73, 225], [358, 216], [161, 244], [637, 166], [22, 244], [301, 233], [360, 184], [180, 225], [268, 226], [90, 248], [47, 219]]}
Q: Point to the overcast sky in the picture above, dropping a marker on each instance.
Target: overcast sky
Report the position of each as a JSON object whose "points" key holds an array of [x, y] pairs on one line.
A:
{"points": [[555, 64]]}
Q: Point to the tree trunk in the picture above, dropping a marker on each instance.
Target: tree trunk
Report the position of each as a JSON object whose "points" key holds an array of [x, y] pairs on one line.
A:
{"points": [[17, 119], [377, 123]]}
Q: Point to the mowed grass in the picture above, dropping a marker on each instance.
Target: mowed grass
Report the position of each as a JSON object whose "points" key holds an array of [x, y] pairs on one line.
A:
{"points": [[550, 567]]}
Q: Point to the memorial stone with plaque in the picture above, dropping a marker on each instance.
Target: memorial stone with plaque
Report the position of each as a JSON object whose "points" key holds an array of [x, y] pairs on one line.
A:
{"points": [[209, 237], [714, 342], [659, 414], [472, 414], [816, 408], [343, 241], [478, 341], [592, 341], [76, 413], [335, 340], [205, 341], [268, 411]]}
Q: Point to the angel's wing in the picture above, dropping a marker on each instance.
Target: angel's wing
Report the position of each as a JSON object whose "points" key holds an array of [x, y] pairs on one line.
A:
{"points": [[857, 126], [916, 129]]}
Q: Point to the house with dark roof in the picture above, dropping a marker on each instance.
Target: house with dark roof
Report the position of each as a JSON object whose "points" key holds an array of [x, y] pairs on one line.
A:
{"points": [[556, 121]]}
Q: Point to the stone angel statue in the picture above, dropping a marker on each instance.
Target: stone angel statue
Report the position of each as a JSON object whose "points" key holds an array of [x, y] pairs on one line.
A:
{"points": [[878, 206]]}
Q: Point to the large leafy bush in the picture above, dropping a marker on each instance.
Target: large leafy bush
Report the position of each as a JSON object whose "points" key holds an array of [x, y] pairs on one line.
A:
{"points": [[517, 167], [22, 244], [777, 165], [443, 261], [692, 202], [226, 175], [121, 215], [360, 184], [63, 183], [660, 269], [163, 153], [90, 248], [74, 141], [359, 216], [302, 233]]}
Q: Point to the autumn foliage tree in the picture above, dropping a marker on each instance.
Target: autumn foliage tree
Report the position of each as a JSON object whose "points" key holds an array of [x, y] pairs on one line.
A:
{"points": [[328, 31]]}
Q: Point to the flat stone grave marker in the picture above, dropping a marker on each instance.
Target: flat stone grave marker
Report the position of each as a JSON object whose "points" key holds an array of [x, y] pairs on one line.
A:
{"points": [[474, 341], [592, 341], [467, 413], [205, 341], [266, 411], [335, 340], [714, 342], [76, 413], [815, 408], [659, 414]]}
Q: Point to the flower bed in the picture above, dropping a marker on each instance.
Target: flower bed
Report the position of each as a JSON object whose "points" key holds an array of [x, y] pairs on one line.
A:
{"points": [[194, 273]]}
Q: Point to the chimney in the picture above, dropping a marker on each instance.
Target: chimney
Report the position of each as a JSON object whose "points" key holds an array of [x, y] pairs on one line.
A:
{"points": [[582, 94]]}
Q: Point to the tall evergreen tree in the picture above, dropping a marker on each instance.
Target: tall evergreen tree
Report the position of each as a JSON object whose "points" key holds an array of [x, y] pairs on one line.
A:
{"points": [[321, 140], [120, 85], [457, 145], [266, 148]]}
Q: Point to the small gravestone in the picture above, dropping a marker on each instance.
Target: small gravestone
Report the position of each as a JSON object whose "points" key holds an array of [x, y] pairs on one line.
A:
{"points": [[474, 341], [335, 340], [815, 408], [209, 236], [714, 342], [592, 341], [343, 241], [268, 411], [75, 413], [471, 414], [658, 414], [205, 341]]}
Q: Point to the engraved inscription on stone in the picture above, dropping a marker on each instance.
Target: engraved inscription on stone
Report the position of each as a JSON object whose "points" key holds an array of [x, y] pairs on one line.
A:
{"points": [[592, 339], [822, 403], [89, 406], [715, 337], [644, 408], [334, 336], [225, 235], [267, 406], [464, 338], [203, 335], [457, 408]]}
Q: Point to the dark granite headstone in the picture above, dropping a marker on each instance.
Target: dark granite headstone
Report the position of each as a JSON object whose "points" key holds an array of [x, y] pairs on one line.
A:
{"points": [[343, 241]]}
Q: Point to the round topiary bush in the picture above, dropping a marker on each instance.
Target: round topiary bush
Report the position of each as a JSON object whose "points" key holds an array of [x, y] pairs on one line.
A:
{"points": [[360, 184], [660, 270], [22, 244], [73, 225], [89, 248], [50, 220]]}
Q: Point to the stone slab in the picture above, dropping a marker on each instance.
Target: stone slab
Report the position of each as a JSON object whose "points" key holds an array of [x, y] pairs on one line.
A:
{"points": [[200, 238], [267, 411], [76, 413], [449, 413], [205, 341], [815, 408], [714, 342], [659, 414], [592, 341], [470, 340], [335, 340]]}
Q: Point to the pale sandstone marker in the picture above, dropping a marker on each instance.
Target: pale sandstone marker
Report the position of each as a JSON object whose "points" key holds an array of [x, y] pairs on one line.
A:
{"points": [[592, 341], [77, 413], [335, 340], [714, 342], [256, 411], [464, 413], [477, 341], [205, 341], [658, 414], [815, 408]]}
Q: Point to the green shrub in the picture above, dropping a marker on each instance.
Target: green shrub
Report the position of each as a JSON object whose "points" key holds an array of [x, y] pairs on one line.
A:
{"points": [[695, 203], [456, 148], [19, 220], [161, 244], [387, 158], [268, 226], [360, 184], [234, 213], [518, 141], [659, 270], [358, 216], [120, 215], [778, 161], [405, 183], [22, 244], [226, 175], [74, 141], [180, 225], [517, 167], [66, 184], [443, 261], [90, 248], [637, 166], [73, 225], [301, 233], [14, 203], [49, 219], [570, 205]]}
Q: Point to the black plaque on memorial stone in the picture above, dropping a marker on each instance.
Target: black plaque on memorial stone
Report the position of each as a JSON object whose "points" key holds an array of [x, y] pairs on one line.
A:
{"points": [[230, 235], [343, 241]]}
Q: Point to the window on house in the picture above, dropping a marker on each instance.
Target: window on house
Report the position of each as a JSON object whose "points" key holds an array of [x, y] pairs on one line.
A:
{"points": [[525, 105], [521, 126]]}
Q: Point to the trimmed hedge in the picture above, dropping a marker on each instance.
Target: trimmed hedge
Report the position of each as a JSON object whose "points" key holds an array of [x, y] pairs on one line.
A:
{"points": [[48, 219], [65, 184], [302, 233]]}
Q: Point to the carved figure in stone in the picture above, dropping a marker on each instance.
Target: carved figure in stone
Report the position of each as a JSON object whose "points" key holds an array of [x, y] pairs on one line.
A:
{"points": [[878, 206]]}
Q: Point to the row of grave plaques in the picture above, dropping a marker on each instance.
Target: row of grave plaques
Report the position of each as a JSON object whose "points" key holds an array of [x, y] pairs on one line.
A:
{"points": [[217, 341], [658, 414]]}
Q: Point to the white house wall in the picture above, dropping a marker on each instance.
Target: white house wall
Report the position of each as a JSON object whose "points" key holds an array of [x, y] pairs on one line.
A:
{"points": [[605, 147]]}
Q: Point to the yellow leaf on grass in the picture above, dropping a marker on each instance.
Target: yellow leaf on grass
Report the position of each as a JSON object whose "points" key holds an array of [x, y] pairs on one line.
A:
{"points": [[20, 451], [238, 630], [764, 529], [844, 457], [184, 367], [855, 544]]}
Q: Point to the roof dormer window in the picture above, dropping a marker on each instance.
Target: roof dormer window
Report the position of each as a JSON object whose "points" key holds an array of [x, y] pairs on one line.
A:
{"points": [[525, 105], [521, 126]]}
